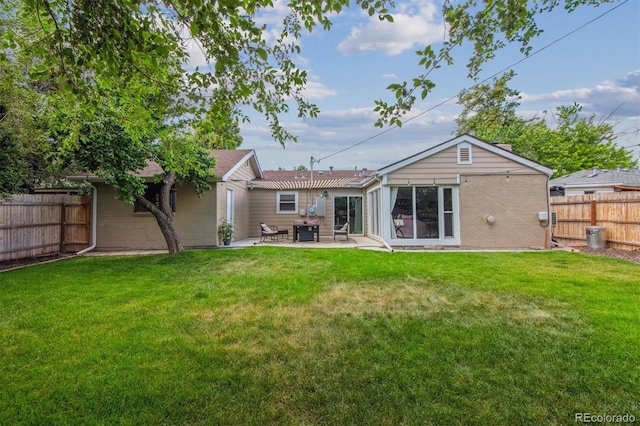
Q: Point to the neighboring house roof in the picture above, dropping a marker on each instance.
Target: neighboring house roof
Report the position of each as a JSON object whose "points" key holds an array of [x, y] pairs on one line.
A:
{"points": [[227, 162], [322, 179], [599, 178], [494, 148]]}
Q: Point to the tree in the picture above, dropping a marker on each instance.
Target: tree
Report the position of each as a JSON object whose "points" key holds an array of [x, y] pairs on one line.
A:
{"points": [[489, 26], [490, 107], [125, 63], [24, 146], [219, 129], [575, 143], [106, 148]]}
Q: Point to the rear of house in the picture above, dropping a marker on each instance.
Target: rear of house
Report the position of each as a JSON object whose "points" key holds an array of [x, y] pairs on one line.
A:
{"points": [[463, 193], [331, 198], [122, 226]]}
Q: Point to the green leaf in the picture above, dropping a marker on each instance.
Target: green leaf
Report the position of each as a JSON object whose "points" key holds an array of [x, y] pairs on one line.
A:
{"points": [[194, 28], [219, 67]]}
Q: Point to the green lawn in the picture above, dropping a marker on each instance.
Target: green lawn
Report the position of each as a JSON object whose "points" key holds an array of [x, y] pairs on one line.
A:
{"points": [[293, 336]]}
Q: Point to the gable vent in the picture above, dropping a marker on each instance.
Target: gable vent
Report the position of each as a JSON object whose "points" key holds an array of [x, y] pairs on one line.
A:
{"points": [[464, 153]]}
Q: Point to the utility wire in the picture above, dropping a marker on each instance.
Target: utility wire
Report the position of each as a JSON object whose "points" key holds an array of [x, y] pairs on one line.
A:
{"points": [[504, 70]]}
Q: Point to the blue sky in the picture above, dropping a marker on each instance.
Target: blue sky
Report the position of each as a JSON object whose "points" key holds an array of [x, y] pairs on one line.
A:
{"points": [[350, 66]]}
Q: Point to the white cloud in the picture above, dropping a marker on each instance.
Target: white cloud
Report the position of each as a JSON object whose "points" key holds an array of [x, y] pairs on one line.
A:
{"points": [[274, 16], [415, 23], [317, 91], [621, 95], [197, 58], [335, 130]]}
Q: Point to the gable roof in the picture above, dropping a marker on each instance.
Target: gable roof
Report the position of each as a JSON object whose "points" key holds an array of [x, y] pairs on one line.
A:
{"points": [[227, 162], [473, 141], [598, 177]]}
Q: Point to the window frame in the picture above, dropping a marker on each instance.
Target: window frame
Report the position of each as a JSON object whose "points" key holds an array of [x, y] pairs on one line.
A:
{"points": [[152, 192], [442, 238], [279, 202]]}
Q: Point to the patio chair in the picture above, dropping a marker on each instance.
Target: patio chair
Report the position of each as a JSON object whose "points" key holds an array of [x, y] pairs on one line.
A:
{"points": [[341, 230], [273, 232]]}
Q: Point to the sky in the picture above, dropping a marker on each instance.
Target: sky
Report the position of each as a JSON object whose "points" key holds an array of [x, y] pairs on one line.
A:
{"points": [[350, 66]]}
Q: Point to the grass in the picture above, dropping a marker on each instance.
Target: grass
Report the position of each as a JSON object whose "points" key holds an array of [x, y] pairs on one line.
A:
{"points": [[293, 336]]}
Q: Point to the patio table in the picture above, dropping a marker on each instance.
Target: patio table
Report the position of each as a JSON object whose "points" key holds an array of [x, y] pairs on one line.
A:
{"points": [[304, 230]]}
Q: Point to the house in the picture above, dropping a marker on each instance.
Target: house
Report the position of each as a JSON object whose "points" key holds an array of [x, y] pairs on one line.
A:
{"points": [[329, 197], [122, 226], [596, 181], [462, 193]]}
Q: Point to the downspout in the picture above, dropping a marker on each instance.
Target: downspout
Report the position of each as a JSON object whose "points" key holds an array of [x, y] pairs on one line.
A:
{"points": [[549, 235], [94, 221]]}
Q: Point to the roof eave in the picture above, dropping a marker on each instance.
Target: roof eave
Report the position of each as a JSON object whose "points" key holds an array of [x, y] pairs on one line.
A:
{"points": [[251, 157], [472, 140]]}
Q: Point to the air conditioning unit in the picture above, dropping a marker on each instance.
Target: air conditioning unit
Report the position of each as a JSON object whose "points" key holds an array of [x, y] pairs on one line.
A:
{"points": [[554, 219]]}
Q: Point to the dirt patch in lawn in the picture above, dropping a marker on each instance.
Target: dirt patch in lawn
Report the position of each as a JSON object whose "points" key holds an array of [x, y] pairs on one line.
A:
{"points": [[630, 255], [28, 261]]}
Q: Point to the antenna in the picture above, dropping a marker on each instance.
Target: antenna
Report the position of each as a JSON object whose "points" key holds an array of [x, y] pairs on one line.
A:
{"points": [[313, 160]]}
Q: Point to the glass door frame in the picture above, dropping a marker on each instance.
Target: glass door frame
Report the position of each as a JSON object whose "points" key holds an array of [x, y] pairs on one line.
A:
{"points": [[453, 217], [356, 228]]}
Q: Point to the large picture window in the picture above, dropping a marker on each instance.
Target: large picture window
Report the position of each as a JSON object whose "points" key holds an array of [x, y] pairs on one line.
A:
{"points": [[152, 193], [287, 202], [422, 212]]}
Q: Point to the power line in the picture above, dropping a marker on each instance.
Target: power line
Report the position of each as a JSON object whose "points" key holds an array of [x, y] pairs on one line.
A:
{"points": [[504, 70]]}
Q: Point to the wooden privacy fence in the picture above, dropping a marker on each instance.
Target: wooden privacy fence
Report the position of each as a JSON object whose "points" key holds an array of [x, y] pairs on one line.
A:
{"points": [[38, 225], [617, 212]]}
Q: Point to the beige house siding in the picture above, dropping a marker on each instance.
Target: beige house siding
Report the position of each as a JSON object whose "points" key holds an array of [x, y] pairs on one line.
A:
{"points": [[263, 208], [238, 183], [444, 168], [119, 228], [513, 203]]}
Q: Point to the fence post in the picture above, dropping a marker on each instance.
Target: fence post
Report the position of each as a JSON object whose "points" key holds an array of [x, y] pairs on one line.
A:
{"points": [[63, 212], [594, 213]]}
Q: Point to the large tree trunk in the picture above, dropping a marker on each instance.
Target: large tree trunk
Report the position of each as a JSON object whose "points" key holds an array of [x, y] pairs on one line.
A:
{"points": [[164, 215]]}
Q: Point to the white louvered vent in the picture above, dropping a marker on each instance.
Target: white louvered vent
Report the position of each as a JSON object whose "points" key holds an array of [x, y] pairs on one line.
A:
{"points": [[464, 153]]}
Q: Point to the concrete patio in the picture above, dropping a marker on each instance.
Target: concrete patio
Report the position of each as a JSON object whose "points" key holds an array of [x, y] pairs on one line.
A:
{"points": [[360, 242], [357, 241]]}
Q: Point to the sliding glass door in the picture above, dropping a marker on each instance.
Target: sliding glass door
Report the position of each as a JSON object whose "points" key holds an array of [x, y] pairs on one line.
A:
{"points": [[348, 209]]}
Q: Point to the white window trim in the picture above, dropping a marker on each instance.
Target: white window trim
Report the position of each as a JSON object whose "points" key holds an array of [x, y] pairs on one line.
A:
{"points": [[442, 240], [278, 194], [468, 146]]}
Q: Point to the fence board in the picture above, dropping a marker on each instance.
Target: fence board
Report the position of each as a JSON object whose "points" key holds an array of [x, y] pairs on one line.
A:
{"points": [[617, 212], [42, 224]]}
